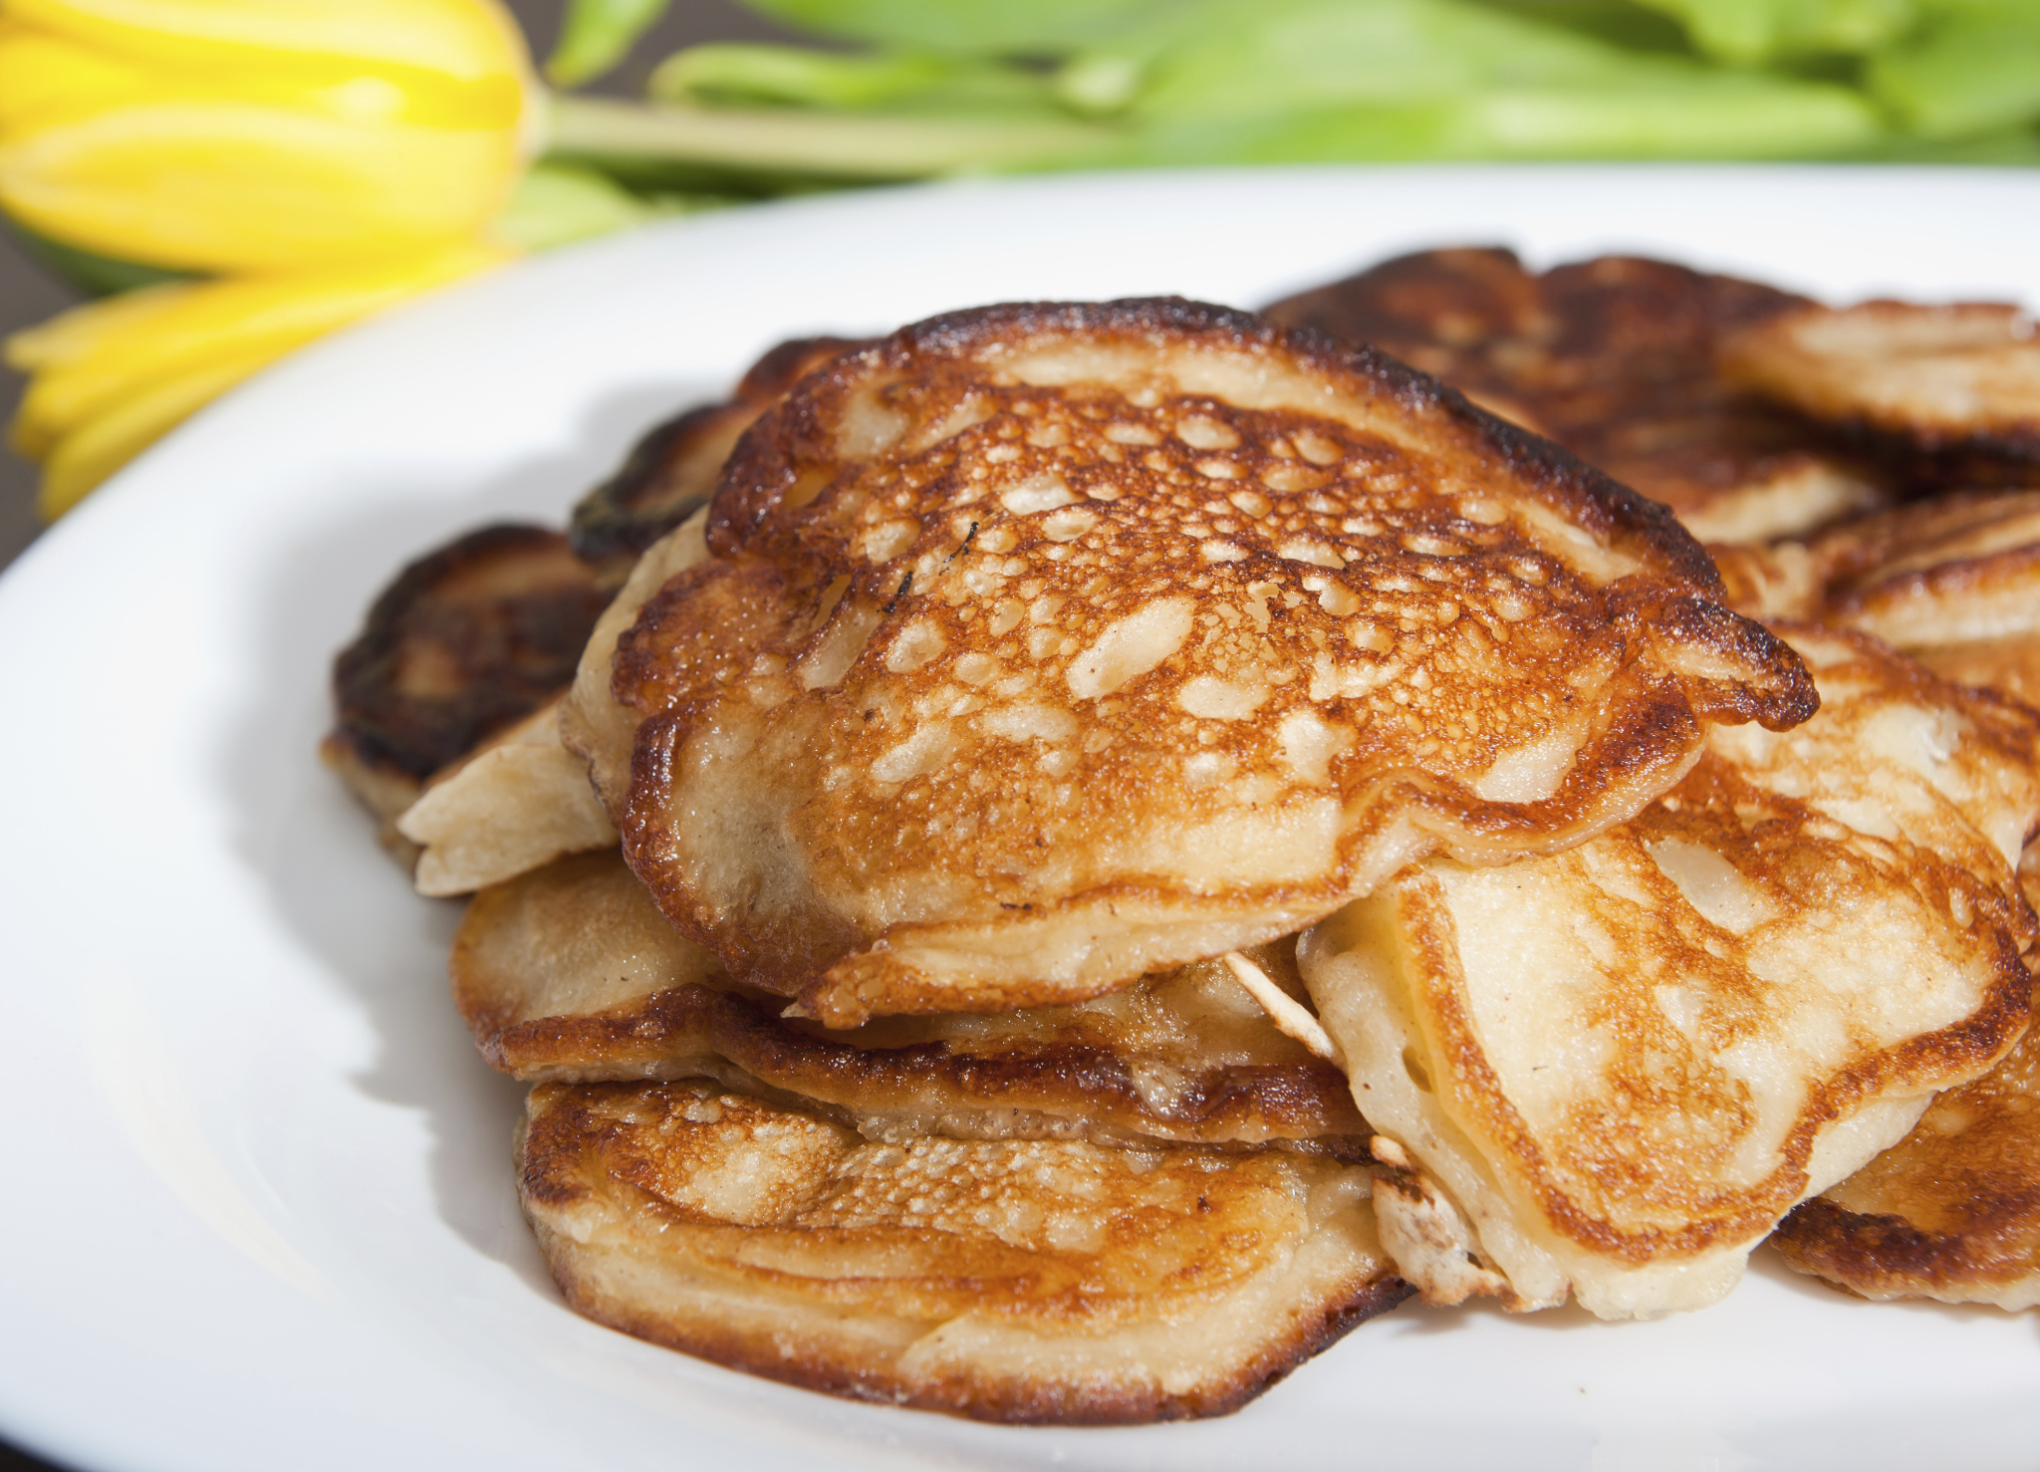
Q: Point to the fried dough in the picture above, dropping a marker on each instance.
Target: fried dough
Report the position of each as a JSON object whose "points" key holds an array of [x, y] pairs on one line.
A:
{"points": [[1615, 359], [669, 473], [1951, 1212], [1024, 1281], [1965, 376], [1044, 646], [464, 643], [1627, 1062], [594, 724], [1780, 581], [571, 973], [521, 801], [1954, 582]]}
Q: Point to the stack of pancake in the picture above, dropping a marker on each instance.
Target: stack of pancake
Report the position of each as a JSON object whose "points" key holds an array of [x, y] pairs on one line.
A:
{"points": [[1125, 839]]}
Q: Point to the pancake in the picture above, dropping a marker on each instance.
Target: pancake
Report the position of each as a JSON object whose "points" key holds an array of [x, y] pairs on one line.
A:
{"points": [[1960, 377], [463, 644], [670, 471], [1951, 1212], [1041, 647], [571, 973], [1780, 581], [1614, 358], [1954, 582], [1626, 1063], [519, 802], [1024, 1281]]}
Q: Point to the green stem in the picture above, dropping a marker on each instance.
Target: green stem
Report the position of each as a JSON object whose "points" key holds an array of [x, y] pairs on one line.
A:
{"points": [[632, 138]]}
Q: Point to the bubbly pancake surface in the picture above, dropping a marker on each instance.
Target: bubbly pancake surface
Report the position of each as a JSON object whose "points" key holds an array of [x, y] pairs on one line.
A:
{"points": [[1040, 647], [1951, 1212], [571, 973], [1627, 1062], [1614, 358], [1032, 1281]]}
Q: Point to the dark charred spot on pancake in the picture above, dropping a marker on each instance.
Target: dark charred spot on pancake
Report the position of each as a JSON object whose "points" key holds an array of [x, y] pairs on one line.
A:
{"points": [[670, 472], [467, 640]]}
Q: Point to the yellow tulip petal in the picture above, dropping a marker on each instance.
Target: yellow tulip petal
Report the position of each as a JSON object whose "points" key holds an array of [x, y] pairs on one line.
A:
{"points": [[187, 329], [463, 40], [41, 74], [47, 78], [222, 185], [72, 335], [96, 449]]}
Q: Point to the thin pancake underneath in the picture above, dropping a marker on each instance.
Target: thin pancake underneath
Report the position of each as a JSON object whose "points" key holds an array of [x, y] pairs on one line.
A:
{"points": [[1034, 1281], [1044, 646], [1951, 1212], [571, 973]]}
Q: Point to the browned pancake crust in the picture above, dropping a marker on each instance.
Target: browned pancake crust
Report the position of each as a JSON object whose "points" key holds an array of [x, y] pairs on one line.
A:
{"points": [[1615, 359], [1953, 581], [1952, 1212], [1946, 378], [1943, 571], [1779, 581], [1148, 1067], [467, 640], [670, 472], [1022, 1281], [799, 635]]}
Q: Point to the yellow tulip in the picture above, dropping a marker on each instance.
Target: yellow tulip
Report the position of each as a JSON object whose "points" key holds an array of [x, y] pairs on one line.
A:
{"points": [[260, 135], [112, 377]]}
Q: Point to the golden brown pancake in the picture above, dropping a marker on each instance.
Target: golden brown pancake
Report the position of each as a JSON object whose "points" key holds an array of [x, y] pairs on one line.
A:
{"points": [[464, 643], [1625, 1063], [1946, 377], [1029, 1281], [1951, 1212], [1954, 582], [1782, 580], [1040, 647], [571, 973], [1615, 359], [669, 473]]}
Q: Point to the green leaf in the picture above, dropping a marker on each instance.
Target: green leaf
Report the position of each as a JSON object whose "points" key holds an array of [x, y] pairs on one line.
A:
{"points": [[2000, 147], [1511, 86], [1259, 57], [93, 274], [1976, 68], [776, 150], [1752, 118], [597, 34], [557, 204], [1618, 22], [1752, 32], [968, 27], [795, 76]]}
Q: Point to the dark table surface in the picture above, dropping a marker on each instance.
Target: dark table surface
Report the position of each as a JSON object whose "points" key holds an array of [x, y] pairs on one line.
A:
{"points": [[28, 294]]}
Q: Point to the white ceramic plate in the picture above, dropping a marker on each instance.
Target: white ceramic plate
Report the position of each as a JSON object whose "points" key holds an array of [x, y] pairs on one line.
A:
{"points": [[257, 1205]]}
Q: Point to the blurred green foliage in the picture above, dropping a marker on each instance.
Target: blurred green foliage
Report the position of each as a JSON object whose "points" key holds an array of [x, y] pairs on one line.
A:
{"points": [[1038, 84]]}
